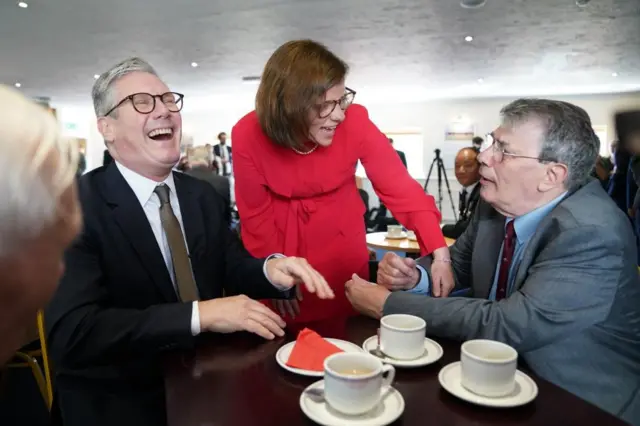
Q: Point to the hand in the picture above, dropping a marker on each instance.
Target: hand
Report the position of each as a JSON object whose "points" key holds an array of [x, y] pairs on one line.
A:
{"points": [[367, 298], [289, 271], [290, 307], [239, 313], [397, 273], [442, 281]]}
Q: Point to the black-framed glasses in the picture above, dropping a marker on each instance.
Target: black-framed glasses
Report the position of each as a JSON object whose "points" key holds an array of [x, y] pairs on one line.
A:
{"points": [[498, 150], [326, 108], [145, 103]]}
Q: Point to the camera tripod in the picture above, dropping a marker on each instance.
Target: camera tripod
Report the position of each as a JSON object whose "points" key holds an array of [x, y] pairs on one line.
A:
{"points": [[437, 161]]}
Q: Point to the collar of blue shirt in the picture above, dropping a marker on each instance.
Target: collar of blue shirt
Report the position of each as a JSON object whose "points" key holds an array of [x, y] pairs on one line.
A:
{"points": [[526, 224]]}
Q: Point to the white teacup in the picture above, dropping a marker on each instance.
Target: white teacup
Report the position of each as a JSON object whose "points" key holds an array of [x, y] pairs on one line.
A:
{"points": [[488, 367], [411, 235], [353, 381], [402, 336], [394, 230]]}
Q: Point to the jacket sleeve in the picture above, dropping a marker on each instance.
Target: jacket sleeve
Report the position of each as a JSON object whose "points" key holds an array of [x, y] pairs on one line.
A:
{"points": [[83, 330], [571, 287], [402, 194], [254, 200]]}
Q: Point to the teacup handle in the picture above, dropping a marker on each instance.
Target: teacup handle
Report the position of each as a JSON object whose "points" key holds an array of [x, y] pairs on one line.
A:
{"points": [[390, 374]]}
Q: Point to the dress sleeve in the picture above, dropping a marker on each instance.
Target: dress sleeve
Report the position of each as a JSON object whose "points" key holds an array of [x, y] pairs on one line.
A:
{"points": [[402, 194], [253, 199]]}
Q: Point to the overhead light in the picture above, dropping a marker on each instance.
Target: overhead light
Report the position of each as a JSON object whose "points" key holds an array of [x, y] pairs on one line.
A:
{"points": [[23, 5], [480, 80], [194, 64], [472, 4], [614, 74], [468, 38], [18, 85], [96, 76]]}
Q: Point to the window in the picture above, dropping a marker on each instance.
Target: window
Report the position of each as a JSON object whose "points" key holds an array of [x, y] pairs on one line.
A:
{"points": [[601, 132], [412, 144]]}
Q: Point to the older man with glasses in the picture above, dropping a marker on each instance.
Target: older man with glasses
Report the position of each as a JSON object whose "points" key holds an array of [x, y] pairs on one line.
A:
{"points": [[39, 213], [548, 259], [150, 269]]}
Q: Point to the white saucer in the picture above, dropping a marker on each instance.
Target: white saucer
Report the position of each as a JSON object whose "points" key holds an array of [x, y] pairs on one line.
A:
{"points": [[413, 238], [402, 236], [385, 413], [526, 389], [282, 356], [433, 352]]}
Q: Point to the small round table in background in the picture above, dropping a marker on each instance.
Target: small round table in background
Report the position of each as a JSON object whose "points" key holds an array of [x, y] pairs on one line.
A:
{"points": [[379, 240]]}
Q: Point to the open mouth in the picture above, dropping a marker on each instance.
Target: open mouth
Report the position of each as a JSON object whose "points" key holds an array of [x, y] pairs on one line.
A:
{"points": [[328, 129], [163, 134]]}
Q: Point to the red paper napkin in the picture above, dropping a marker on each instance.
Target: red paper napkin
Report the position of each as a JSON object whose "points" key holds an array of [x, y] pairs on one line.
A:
{"points": [[310, 351]]}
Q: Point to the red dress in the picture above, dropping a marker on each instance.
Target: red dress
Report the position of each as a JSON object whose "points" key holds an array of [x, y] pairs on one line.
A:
{"points": [[309, 206]]}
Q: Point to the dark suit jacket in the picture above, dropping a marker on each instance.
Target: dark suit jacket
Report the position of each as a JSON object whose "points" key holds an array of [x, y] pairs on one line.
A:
{"points": [[573, 316], [220, 183], [116, 312], [216, 151], [403, 158], [456, 229]]}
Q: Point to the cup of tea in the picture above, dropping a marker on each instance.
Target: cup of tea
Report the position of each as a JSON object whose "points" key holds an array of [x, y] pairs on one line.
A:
{"points": [[394, 231], [353, 382], [488, 367], [402, 336]]}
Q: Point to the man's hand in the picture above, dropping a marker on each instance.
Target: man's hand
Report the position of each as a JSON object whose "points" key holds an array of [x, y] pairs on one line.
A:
{"points": [[289, 271], [239, 313], [397, 273], [367, 298], [288, 307]]}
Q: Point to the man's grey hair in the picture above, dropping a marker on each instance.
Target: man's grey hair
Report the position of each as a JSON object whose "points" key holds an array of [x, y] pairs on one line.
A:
{"points": [[103, 93], [37, 166], [568, 136]]}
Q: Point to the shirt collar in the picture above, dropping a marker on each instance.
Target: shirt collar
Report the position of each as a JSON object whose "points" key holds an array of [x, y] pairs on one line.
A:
{"points": [[143, 187], [471, 187], [526, 225]]}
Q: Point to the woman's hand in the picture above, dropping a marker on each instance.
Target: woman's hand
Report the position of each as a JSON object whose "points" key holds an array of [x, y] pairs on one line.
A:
{"points": [[289, 307], [442, 273]]}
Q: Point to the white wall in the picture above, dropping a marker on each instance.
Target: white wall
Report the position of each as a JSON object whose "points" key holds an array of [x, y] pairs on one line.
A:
{"points": [[204, 120]]}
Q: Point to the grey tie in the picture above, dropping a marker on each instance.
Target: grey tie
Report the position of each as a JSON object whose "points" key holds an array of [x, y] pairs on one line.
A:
{"points": [[187, 290]]}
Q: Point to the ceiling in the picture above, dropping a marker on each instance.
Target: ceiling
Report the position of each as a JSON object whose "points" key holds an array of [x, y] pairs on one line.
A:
{"points": [[403, 49]]}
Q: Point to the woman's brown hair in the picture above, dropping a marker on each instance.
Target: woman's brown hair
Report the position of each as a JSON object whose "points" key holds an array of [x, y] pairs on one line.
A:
{"points": [[296, 76]]}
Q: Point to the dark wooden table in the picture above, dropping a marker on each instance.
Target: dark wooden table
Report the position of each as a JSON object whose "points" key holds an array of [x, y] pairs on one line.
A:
{"points": [[234, 380]]}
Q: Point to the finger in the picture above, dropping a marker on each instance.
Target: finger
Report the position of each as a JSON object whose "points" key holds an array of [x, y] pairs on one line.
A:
{"points": [[295, 306], [401, 265], [279, 307], [299, 292], [288, 306], [323, 286], [411, 263], [257, 328], [259, 307], [437, 282], [267, 323]]}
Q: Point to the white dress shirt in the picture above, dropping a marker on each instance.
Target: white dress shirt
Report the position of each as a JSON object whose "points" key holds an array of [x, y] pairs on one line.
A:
{"points": [[143, 189]]}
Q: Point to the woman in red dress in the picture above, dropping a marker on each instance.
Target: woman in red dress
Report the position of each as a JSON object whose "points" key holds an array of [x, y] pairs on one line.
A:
{"points": [[295, 159]]}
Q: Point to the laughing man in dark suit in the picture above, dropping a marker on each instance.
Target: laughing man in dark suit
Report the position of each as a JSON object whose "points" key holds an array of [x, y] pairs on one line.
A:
{"points": [[150, 269]]}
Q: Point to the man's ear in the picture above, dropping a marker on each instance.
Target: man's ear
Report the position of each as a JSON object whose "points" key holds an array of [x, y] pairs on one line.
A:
{"points": [[555, 176], [106, 129]]}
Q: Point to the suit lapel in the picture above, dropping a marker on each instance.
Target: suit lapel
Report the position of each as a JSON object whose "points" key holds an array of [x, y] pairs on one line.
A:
{"points": [[130, 217], [489, 240]]}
